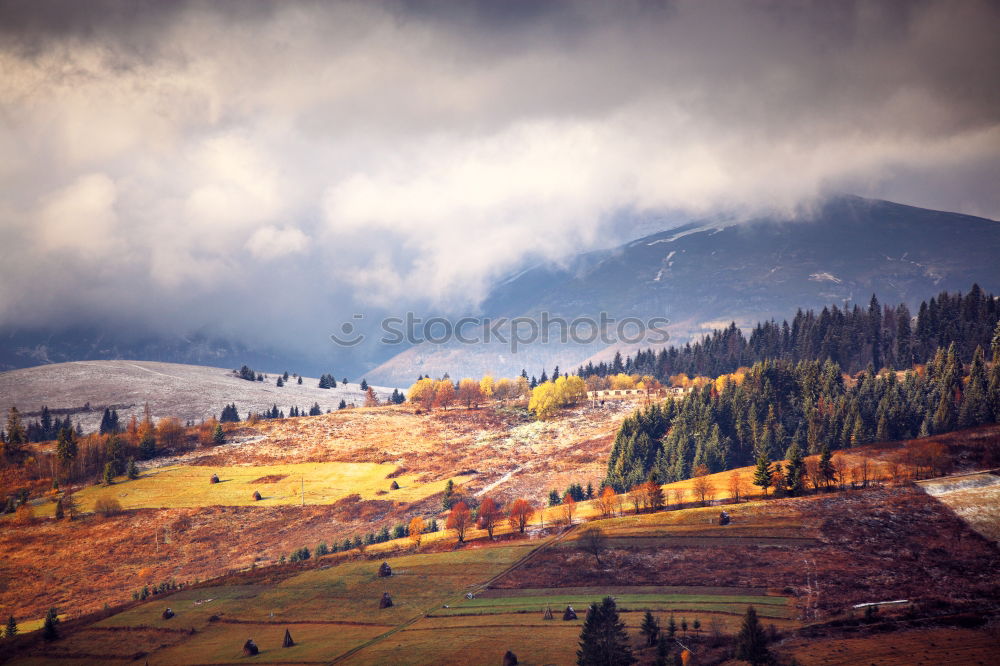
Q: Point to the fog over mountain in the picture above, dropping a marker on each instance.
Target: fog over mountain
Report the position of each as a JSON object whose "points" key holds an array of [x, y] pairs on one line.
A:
{"points": [[260, 172]]}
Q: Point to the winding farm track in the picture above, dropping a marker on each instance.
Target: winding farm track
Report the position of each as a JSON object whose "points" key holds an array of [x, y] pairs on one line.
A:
{"points": [[552, 541]]}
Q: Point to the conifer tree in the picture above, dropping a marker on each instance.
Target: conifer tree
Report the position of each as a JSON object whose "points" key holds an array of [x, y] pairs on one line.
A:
{"points": [[671, 627], [131, 470], [218, 436], [762, 473], [751, 643], [11, 629], [50, 629], [796, 472], [975, 408], [826, 468], [66, 447], [650, 628], [109, 473], [299, 381], [603, 639]]}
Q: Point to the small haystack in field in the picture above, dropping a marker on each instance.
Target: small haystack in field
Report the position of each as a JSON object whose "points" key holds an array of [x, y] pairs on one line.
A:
{"points": [[724, 518], [394, 486], [256, 496], [569, 613], [547, 615], [214, 479], [385, 601], [167, 614], [288, 642], [385, 570], [250, 648], [509, 659]]}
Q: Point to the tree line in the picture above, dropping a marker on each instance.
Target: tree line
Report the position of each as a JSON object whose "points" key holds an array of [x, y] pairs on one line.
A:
{"points": [[853, 338]]}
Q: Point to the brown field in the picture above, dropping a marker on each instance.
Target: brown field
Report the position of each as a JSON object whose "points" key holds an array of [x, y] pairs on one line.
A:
{"points": [[903, 648]]}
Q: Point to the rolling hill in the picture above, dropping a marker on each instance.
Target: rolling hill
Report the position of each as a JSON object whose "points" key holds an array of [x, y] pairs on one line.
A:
{"points": [[187, 392]]}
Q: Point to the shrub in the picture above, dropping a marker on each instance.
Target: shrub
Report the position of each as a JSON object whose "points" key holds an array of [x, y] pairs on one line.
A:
{"points": [[107, 506]]}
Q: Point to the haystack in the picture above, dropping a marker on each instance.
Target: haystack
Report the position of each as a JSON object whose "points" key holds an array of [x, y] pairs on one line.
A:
{"points": [[385, 570], [509, 659], [724, 518], [547, 615], [288, 642], [214, 479], [256, 496], [569, 613], [394, 486], [385, 601], [250, 648], [167, 614]]}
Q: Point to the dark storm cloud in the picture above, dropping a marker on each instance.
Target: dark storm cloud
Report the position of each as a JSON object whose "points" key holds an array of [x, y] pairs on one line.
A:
{"points": [[200, 159]]}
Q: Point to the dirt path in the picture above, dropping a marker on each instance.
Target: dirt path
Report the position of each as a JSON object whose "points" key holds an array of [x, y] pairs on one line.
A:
{"points": [[503, 479]]}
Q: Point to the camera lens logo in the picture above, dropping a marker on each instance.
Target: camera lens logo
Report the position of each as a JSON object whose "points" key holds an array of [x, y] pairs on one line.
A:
{"points": [[349, 336]]}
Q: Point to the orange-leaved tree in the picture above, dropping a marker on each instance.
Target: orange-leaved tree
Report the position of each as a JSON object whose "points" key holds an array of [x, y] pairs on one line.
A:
{"points": [[470, 393], [444, 393], [489, 515], [459, 520], [520, 514], [607, 501], [568, 508], [702, 485], [416, 530]]}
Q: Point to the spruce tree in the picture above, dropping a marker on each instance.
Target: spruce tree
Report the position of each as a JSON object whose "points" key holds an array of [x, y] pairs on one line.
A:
{"points": [[603, 639], [762, 473], [131, 470], [109, 473], [299, 381], [50, 629], [650, 628], [826, 468], [795, 478], [218, 436], [751, 643], [975, 408], [11, 629]]}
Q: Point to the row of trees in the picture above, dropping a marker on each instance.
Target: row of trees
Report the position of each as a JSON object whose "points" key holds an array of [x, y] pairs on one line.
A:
{"points": [[777, 405], [852, 338], [430, 393]]}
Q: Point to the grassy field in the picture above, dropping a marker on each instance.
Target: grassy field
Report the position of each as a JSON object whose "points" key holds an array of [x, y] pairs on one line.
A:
{"points": [[630, 602], [328, 609], [187, 486]]}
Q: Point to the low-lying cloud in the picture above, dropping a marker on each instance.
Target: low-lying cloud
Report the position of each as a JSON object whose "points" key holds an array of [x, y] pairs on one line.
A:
{"points": [[184, 164]]}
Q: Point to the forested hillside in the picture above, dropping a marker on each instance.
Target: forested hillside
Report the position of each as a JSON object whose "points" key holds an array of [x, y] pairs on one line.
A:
{"points": [[781, 408]]}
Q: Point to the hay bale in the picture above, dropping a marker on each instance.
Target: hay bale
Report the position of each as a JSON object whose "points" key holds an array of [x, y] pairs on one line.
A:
{"points": [[547, 614], [214, 479], [288, 642], [724, 518], [256, 496], [250, 648], [385, 601], [167, 614], [569, 613], [384, 571], [509, 658], [394, 486]]}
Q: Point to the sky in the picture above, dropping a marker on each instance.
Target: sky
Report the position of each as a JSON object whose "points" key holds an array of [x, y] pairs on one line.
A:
{"points": [[268, 168]]}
